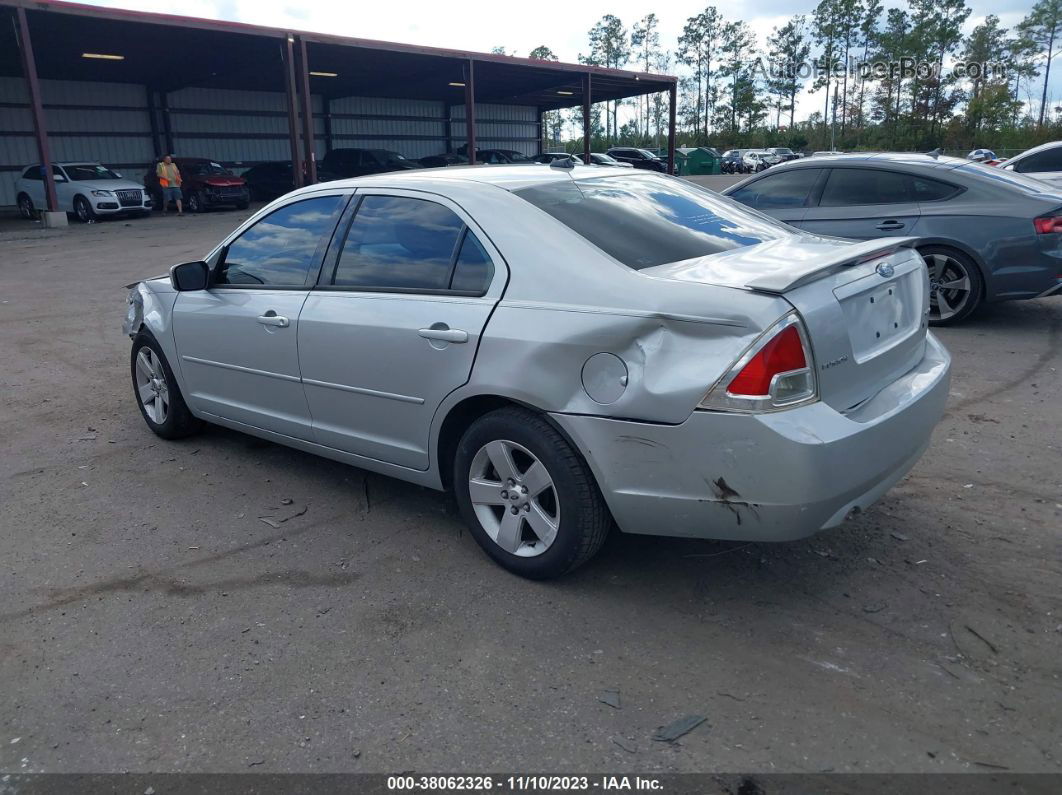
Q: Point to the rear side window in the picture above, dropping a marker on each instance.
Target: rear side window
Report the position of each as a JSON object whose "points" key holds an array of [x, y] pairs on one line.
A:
{"points": [[280, 249], [931, 190], [33, 172], [856, 186], [644, 221], [400, 243], [785, 189], [1048, 160]]}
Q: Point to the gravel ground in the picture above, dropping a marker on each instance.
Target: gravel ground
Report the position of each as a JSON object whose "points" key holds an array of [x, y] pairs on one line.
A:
{"points": [[150, 621]]}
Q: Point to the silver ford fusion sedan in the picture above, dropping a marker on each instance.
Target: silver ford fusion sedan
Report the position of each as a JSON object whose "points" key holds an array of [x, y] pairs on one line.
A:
{"points": [[567, 349]]}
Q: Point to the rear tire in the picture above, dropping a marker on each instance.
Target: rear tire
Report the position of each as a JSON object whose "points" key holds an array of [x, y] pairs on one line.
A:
{"points": [[538, 511], [948, 306], [157, 394]]}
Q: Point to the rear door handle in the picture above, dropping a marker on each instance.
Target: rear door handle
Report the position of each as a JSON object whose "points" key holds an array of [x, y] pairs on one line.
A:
{"points": [[271, 318], [444, 334], [890, 225]]}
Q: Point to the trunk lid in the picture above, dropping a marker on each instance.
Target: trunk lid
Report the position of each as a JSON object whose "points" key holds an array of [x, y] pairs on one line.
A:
{"points": [[863, 304]]}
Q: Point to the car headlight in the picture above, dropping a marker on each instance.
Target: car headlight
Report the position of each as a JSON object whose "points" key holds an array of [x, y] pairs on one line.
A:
{"points": [[101, 193]]}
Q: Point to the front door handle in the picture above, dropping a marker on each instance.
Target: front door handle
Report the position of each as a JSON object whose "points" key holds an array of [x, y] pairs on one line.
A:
{"points": [[888, 226], [271, 318], [444, 334]]}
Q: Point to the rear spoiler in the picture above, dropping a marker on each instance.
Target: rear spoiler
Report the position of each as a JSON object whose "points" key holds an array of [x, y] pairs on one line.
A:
{"points": [[796, 274]]}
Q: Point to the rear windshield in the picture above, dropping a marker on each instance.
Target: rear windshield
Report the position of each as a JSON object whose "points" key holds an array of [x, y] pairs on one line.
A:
{"points": [[644, 221]]}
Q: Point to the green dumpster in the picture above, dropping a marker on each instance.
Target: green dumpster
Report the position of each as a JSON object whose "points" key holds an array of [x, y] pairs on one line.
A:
{"points": [[698, 160]]}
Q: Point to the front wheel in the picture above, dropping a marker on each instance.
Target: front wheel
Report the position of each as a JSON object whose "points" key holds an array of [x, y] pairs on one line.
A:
{"points": [[196, 203], [83, 210], [25, 207], [955, 285], [529, 499], [157, 393]]}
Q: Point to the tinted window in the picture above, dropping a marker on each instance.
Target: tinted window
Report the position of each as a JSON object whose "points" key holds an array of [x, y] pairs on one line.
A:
{"points": [[90, 171], [281, 248], [779, 191], [647, 221], [854, 186], [399, 243], [1048, 160], [930, 190], [33, 172], [473, 269]]}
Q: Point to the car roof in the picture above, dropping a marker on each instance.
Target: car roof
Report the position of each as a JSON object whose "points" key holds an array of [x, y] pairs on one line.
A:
{"points": [[879, 159], [507, 177], [1036, 150]]}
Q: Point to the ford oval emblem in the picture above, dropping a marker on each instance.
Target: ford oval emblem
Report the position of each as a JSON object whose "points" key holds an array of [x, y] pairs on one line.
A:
{"points": [[885, 270]]}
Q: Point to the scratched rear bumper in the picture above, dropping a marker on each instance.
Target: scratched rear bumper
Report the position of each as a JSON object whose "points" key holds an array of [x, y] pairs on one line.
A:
{"points": [[763, 477]]}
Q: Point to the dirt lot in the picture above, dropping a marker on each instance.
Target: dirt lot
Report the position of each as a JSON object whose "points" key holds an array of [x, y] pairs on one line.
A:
{"points": [[149, 621]]}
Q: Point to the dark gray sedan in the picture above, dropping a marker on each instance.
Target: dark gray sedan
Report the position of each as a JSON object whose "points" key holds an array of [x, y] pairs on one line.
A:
{"points": [[986, 234]]}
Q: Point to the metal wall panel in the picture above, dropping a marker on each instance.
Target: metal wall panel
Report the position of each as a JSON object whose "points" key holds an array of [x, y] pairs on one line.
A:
{"points": [[499, 127], [107, 122]]}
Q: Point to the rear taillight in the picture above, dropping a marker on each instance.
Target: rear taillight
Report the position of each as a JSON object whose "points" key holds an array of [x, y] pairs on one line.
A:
{"points": [[776, 372], [1048, 224]]}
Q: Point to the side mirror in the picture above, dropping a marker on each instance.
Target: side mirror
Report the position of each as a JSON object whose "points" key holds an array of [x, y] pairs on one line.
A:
{"points": [[190, 276], [58, 178], [119, 174]]}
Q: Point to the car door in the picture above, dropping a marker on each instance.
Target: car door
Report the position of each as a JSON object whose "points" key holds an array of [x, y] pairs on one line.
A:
{"points": [[862, 204], [238, 339], [65, 189], [1045, 165], [783, 194], [394, 326], [32, 183]]}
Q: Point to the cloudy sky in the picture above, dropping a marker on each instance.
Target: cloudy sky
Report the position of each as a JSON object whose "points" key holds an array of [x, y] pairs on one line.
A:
{"points": [[483, 24]]}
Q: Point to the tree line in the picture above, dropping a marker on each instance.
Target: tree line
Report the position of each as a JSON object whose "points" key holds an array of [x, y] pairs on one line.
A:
{"points": [[886, 79]]}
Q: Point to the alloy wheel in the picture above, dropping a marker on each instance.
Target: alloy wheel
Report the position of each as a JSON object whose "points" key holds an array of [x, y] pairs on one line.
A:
{"points": [[25, 207], [84, 212], [151, 386], [514, 498], [950, 288]]}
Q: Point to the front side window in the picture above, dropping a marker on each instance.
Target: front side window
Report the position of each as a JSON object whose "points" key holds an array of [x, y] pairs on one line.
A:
{"points": [[847, 187], [280, 249], [783, 190], [401, 243], [643, 221]]}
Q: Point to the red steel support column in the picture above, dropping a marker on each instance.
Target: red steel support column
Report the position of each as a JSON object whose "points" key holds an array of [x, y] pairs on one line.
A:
{"points": [[288, 54], [309, 139], [29, 65], [587, 88], [673, 101], [470, 111]]}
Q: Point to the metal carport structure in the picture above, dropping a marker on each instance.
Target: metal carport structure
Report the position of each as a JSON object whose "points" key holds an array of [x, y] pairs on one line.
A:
{"points": [[151, 79]]}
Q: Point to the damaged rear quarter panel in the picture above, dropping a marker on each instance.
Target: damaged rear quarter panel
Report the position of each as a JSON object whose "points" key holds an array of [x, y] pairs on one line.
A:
{"points": [[535, 353]]}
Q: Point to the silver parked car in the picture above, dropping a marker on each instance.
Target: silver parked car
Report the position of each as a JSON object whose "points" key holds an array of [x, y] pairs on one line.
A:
{"points": [[564, 348], [986, 234]]}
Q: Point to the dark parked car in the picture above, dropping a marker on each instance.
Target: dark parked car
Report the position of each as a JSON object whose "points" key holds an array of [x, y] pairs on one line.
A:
{"points": [[730, 162], [549, 157], [497, 156], [445, 159], [206, 184], [639, 158], [345, 163], [986, 234], [266, 181], [783, 153]]}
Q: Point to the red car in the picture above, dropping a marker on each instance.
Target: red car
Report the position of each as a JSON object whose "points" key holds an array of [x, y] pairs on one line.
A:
{"points": [[205, 184]]}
